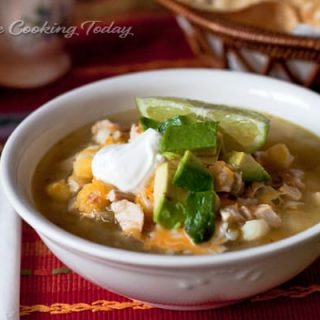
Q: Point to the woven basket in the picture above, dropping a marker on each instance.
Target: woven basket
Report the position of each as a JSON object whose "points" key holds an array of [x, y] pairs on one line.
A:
{"points": [[221, 43]]}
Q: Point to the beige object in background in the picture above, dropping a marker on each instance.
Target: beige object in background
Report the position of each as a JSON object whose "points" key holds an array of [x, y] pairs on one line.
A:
{"points": [[275, 15], [221, 5], [31, 60], [309, 11]]}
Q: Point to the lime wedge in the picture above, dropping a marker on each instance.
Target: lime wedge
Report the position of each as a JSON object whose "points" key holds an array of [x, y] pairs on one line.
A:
{"points": [[244, 130]]}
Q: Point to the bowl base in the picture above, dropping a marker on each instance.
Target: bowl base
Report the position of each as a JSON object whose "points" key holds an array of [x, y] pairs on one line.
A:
{"points": [[195, 307]]}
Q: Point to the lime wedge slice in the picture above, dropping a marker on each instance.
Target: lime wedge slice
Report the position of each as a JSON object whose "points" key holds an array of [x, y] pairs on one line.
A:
{"points": [[244, 130]]}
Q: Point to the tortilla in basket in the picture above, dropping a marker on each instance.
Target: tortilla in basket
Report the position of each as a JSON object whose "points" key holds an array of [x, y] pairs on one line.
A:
{"points": [[274, 15]]}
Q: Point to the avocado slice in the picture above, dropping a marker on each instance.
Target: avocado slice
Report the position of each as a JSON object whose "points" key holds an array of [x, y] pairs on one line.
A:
{"points": [[200, 216], [172, 155], [168, 199], [193, 136], [192, 175], [147, 123], [250, 168], [175, 121], [209, 156]]}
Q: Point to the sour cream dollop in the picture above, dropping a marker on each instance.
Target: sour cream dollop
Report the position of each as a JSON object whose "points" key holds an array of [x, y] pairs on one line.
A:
{"points": [[128, 166]]}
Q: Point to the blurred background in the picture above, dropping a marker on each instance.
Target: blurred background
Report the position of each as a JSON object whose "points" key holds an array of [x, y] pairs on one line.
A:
{"points": [[279, 38], [100, 9]]}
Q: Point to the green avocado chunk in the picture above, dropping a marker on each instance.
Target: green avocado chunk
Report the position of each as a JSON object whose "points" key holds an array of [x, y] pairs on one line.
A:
{"points": [[147, 123], [192, 175], [200, 216], [168, 199], [175, 121], [172, 155], [210, 156], [193, 136], [250, 168]]}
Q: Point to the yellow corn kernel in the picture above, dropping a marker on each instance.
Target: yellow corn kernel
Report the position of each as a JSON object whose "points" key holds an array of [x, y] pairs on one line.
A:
{"points": [[116, 140], [278, 157], [82, 164], [93, 197], [82, 169], [109, 141], [58, 191]]}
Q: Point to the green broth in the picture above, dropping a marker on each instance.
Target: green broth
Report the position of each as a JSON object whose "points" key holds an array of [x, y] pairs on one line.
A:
{"points": [[303, 145]]}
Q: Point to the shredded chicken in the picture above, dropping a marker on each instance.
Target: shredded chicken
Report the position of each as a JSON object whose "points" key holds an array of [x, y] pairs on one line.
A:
{"points": [[229, 233], [248, 202], [116, 195], [224, 177], [231, 214], [292, 193], [294, 178], [104, 130], [253, 189], [268, 195], [246, 213], [263, 193], [265, 212], [129, 216], [236, 214]]}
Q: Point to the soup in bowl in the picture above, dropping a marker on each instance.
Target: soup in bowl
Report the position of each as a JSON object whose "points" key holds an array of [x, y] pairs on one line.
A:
{"points": [[126, 195], [196, 178]]}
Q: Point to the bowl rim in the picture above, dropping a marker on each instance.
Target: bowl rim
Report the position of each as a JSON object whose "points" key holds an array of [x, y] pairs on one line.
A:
{"points": [[59, 236]]}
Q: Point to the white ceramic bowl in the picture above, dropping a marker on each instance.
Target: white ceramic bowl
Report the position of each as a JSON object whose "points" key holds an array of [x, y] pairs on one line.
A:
{"points": [[173, 282]]}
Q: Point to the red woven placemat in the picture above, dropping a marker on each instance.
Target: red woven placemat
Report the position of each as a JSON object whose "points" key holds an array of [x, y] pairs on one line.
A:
{"points": [[51, 291]]}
